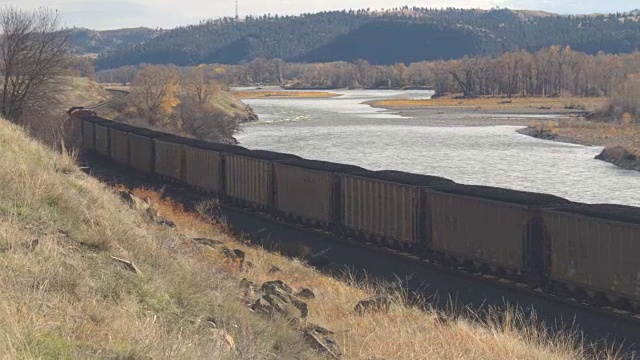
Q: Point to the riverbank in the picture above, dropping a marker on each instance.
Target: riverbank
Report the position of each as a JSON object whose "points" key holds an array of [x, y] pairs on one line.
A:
{"points": [[284, 94], [525, 105], [580, 131]]}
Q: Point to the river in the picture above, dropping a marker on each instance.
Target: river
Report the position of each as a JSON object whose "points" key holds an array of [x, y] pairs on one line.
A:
{"points": [[345, 130]]}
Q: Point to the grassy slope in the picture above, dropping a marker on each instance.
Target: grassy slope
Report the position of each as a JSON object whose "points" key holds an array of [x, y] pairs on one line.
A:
{"points": [[593, 133], [83, 92], [64, 297], [230, 104]]}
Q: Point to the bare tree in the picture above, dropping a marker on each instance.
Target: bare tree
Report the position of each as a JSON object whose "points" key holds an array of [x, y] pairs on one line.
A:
{"points": [[154, 94], [199, 81], [34, 56]]}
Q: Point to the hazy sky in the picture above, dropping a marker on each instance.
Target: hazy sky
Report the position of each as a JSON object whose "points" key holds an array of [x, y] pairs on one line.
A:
{"points": [[112, 14]]}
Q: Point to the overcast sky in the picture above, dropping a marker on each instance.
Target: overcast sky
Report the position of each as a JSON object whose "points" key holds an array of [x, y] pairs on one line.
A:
{"points": [[113, 14]]}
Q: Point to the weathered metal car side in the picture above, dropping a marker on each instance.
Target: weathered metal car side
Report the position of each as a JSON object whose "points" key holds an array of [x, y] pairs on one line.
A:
{"points": [[249, 177], [88, 136], [386, 206], [119, 145], [101, 130], [489, 225], [75, 127], [142, 150], [595, 247], [169, 156], [204, 165], [309, 190]]}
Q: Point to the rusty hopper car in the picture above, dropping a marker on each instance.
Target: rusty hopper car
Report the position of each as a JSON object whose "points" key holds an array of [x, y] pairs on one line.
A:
{"points": [[169, 156], [142, 150], [204, 165], [308, 190], [595, 248], [75, 126], [88, 136], [119, 145], [488, 226], [101, 133], [386, 206], [249, 177]]}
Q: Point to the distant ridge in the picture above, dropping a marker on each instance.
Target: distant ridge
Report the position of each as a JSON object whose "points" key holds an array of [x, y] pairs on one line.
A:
{"points": [[410, 34]]}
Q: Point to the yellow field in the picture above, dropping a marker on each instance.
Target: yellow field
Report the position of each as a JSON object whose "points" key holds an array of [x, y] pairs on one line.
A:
{"points": [[67, 294], [286, 94], [498, 103]]}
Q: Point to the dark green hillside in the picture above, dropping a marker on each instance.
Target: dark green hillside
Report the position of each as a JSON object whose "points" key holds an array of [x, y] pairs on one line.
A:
{"points": [[395, 41], [400, 35]]}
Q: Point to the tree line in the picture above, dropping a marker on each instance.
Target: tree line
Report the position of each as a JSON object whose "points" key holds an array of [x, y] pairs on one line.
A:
{"points": [[551, 71]]}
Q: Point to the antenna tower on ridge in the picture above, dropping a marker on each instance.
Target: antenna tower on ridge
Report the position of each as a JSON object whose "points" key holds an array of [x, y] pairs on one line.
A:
{"points": [[237, 17]]}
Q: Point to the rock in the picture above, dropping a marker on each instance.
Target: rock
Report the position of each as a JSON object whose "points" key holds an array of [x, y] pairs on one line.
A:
{"points": [[235, 255], [276, 287], [239, 254], [274, 270], [167, 223], [207, 242], [619, 156], [320, 339], [306, 293], [277, 299], [246, 284], [376, 303], [249, 293], [223, 340], [135, 202]]}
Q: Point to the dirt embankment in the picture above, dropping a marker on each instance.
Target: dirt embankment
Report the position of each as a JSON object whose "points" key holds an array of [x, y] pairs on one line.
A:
{"points": [[621, 140], [619, 156]]}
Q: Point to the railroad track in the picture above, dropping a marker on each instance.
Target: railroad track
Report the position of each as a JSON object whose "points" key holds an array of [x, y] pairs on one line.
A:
{"points": [[119, 95]]}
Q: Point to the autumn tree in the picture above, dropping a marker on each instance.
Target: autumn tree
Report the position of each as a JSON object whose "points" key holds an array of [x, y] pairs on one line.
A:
{"points": [[154, 94], [200, 83], [34, 56], [625, 100]]}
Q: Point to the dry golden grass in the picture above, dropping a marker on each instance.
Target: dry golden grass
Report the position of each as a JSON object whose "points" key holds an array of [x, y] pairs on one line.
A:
{"points": [[625, 133], [284, 94], [498, 103], [82, 91], [64, 297]]}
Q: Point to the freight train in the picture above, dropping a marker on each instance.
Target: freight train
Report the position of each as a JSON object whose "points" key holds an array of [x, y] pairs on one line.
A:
{"points": [[591, 252]]}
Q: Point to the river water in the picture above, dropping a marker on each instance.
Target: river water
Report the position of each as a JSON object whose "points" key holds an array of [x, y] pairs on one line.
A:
{"points": [[345, 130]]}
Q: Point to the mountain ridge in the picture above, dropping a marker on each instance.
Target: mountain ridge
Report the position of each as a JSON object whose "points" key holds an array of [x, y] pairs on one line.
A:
{"points": [[415, 33]]}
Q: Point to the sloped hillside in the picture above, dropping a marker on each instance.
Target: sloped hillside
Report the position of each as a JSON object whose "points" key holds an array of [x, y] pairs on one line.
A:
{"points": [[87, 41]]}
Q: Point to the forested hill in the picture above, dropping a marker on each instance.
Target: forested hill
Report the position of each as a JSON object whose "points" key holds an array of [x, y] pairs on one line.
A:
{"points": [[402, 35], [86, 41]]}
